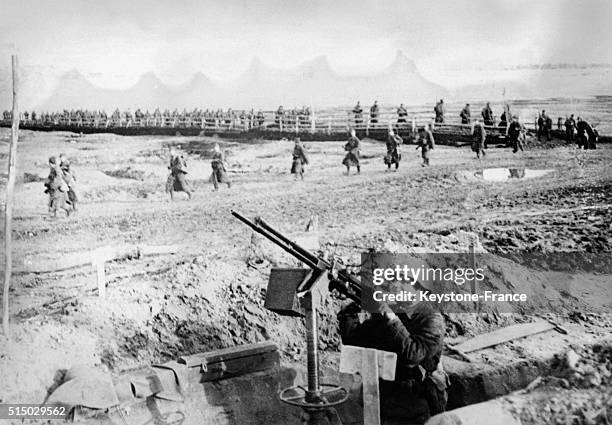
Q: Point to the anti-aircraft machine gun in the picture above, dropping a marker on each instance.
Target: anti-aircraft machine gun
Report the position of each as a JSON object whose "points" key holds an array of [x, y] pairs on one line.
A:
{"points": [[299, 292]]}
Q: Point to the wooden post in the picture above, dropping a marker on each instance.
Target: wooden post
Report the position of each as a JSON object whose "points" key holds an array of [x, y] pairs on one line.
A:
{"points": [[473, 241], [371, 390], [97, 262], [474, 286], [8, 206], [372, 365], [101, 278], [312, 120]]}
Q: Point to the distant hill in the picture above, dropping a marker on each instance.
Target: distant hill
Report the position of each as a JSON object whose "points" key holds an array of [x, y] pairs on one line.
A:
{"points": [[312, 83]]}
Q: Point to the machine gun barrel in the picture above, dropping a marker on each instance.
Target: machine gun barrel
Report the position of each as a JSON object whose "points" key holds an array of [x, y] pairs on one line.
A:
{"points": [[282, 241], [302, 251], [346, 283]]}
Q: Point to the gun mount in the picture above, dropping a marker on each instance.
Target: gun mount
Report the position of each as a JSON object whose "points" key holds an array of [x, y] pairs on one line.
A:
{"points": [[299, 292]]}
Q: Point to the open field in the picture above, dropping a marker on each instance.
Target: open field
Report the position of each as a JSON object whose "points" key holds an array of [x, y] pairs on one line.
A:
{"points": [[207, 297]]}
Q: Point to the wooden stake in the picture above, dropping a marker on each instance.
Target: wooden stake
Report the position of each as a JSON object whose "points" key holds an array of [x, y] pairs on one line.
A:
{"points": [[101, 278], [8, 206], [473, 241], [312, 120]]}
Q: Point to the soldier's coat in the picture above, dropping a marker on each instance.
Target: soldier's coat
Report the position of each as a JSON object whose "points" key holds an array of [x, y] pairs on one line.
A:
{"points": [[57, 189], [393, 156], [352, 152], [299, 159], [426, 143], [418, 340], [480, 137], [176, 180], [219, 173]]}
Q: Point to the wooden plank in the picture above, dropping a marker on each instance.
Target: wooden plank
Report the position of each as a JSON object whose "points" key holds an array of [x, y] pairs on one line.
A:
{"points": [[32, 264], [233, 368], [372, 365], [352, 361], [460, 353], [229, 353], [371, 389], [502, 335]]}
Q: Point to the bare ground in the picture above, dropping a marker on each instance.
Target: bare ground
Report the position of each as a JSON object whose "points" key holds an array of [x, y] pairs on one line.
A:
{"points": [[207, 297]]}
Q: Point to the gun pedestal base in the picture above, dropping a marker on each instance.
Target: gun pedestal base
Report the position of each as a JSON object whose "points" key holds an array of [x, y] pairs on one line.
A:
{"points": [[317, 400], [320, 411]]}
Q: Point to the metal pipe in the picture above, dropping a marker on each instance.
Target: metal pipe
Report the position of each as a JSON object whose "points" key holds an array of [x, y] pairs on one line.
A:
{"points": [[313, 395]]}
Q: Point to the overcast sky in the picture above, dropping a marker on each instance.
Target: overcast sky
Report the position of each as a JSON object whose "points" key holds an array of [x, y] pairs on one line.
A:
{"points": [[116, 41]]}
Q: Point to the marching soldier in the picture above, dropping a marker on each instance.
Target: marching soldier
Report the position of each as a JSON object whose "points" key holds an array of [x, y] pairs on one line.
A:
{"points": [[465, 114], [505, 116], [487, 115], [260, 118], [439, 111], [516, 134], [70, 179], [57, 189], [374, 113], [402, 114], [279, 118], [176, 180], [570, 127], [426, 143], [544, 126], [352, 153], [587, 136], [299, 159], [393, 156], [548, 125], [417, 337], [358, 112], [219, 174], [503, 120], [480, 138]]}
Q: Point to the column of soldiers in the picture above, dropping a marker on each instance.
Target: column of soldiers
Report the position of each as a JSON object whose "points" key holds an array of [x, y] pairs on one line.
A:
{"points": [[197, 117], [177, 178], [425, 142], [374, 115], [352, 158], [292, 118], [577, 130], [289, 119], [60, 184]]}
